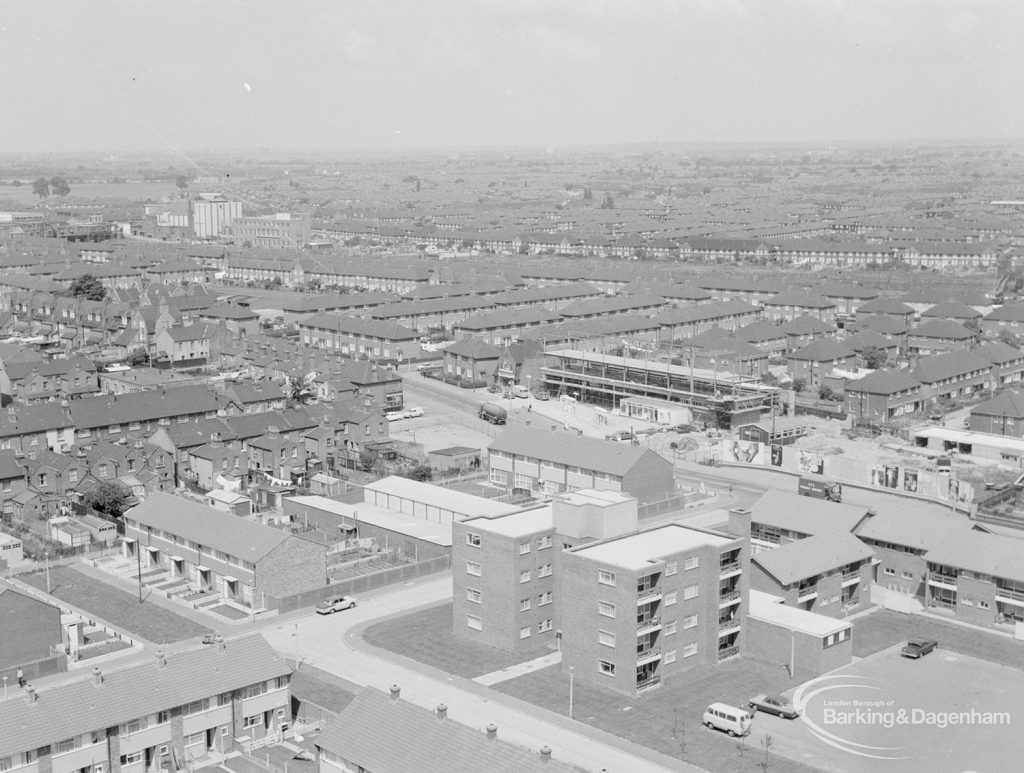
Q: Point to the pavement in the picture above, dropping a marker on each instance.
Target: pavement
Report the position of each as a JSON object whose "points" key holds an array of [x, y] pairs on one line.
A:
{"points": [[504, 674]]}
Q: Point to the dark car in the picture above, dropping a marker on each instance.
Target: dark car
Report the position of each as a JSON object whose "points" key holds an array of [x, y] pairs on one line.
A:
{"points": [[918, 648], [773, 704], [540, 394]]}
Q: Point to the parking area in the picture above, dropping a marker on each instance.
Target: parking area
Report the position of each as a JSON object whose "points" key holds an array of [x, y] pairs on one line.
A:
{"points": [[946, 711]]}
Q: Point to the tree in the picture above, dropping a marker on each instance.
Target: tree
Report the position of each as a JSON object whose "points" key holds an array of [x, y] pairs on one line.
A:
{"points": [[181, 181], [108, 497], [59, 186], [41, 187], [138, 356], [89, 287], [1007, 337], [874, 357], [420, 472], [973, 325], [825, 392], [799, 385]]}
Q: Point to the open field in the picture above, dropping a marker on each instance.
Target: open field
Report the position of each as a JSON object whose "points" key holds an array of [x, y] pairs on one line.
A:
{"points": [[82, 193]]}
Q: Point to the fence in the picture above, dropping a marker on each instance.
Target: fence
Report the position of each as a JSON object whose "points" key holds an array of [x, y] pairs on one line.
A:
{"points": [[361, 584]]}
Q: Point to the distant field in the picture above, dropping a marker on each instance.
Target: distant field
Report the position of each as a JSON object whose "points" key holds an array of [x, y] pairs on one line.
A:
{"points": [[23, 197]]}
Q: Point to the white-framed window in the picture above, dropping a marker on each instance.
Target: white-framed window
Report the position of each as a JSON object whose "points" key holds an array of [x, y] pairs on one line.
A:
{"points": [[260, 688], [131, 758], [544, 598], [524, 548], [605, 609], [690, 592], [690, 650], [473, 568], [607, 638], [671, 568], [691, 562], [524, 604], [544, 571], [606, 667], [907, 575], [197, 707], [499, 477], [473, 540], [889, 572], [195, 739], [544, 626], [473, 595], [690, 622], [254, 721], [525, 632], [544, 542], [983, 605], [670, 598], [524, 576], [670, 627], [606, 577], [474, 622], [523, 481], [670, 656]]}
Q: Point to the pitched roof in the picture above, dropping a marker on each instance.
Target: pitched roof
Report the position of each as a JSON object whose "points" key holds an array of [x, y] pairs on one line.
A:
{"points": [[880, 324], [1011, 312], [979, 552], [214, 529], [800, 299], [385, 735], [806, 558], [571, 449], [948, 365], [30, 419], [786, 510], [942, 328], [952, 310], [473, 349], [823, 350], [912, 525], [151, 405], [72, 708], [805, 324], [999, 352], [885, 306], [885, 381], [1008, 403]]}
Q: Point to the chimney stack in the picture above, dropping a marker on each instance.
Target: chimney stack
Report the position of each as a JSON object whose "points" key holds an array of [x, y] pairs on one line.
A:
{"points": [[442, 711], [219, 641], [161, 661], [97, 676], [30, 694], [395, 692], [545, 753], [492, 731]]}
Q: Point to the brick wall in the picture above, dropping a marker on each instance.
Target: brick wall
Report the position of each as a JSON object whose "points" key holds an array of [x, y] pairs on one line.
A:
{"points": [[295, 566], [899, 562], [969, 593]]}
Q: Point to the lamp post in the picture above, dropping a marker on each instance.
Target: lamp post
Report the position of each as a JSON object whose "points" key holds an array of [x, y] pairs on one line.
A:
{"points": [[47, 557], [572, 670]]}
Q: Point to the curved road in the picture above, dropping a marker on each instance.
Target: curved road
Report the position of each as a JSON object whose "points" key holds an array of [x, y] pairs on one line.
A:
{"points": [[332, 643]]}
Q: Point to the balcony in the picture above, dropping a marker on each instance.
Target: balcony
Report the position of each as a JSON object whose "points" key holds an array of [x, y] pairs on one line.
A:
{"points": [[648, 684], [851, 578], [729, 569], [650, 625], [729, 597], [943, 580], [728, 625], [1008, 596], [648, 656], [727, 652], [648, 597], [806, 593]]}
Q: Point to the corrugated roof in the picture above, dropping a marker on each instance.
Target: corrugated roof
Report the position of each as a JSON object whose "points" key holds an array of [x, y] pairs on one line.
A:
{"points": [[211, 528], [809, 557], [804, 515], [74, 708], [393, 736]]}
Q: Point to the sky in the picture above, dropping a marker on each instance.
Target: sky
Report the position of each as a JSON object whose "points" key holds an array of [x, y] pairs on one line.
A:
{"points": [[113, 75]]}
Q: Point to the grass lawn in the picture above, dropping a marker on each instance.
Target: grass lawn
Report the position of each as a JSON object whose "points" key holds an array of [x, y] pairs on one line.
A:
{"points": [[426, 636], [322, 689], [884, 628], [668, 719], [115, 606]]}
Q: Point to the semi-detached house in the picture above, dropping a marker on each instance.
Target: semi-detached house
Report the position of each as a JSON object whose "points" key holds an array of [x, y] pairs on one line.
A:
{"points": [[884, 395], [952, 374]]}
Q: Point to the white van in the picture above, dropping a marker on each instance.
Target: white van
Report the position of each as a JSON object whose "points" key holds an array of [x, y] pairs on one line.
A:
{"points": [[732, 720], [518, 390]]}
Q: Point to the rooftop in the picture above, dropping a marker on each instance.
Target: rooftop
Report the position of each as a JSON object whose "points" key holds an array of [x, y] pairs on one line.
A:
{"points": [[418, 528], [520, 524], [770, 609], [810, 557], [440, 496], [804, 515], [636, 552]]}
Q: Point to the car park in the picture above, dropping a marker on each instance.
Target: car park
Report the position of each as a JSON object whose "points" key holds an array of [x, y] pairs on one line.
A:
{"points": [[773, 704], [335, 604], [918, 648]]}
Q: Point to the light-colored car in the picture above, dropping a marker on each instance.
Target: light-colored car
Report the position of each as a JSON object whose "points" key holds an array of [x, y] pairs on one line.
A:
{"points": [[518, 390], [773, 704], [394, 415], [335, 604], [729, 719], [412, 413]]}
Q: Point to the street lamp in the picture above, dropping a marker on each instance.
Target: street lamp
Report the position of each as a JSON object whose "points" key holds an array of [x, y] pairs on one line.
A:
{"points": [[572, 670], [47, 557]]}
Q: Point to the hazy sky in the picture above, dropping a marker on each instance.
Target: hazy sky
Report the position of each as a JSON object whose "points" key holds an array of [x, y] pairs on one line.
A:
{"points": [[109, 75]]}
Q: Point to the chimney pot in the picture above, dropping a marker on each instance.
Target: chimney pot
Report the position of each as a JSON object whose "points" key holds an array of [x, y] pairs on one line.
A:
{"points": [[395, 692], [492, 731], [545, 753], [161, 661], [30, 694], [442, 711], [97, 676]]}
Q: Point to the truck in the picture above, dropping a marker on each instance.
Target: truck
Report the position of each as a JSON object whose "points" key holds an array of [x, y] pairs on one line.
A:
{"points": [[495, 414], [820, 488]]}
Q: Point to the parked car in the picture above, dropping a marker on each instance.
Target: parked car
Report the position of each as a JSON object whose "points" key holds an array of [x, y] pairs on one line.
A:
{"points": [[540, 394], [494, 389], [209, 638], [918, 648], [394, 415], [518, 390], [773, 704], [620, 435], [335, 604], [412, 413]]}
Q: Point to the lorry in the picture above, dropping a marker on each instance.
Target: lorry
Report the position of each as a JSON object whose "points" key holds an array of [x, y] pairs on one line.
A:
{"points": [[495, 414], [820, 488]]}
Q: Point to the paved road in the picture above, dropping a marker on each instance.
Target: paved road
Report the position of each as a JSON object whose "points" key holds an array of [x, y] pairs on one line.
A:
{"points": [[333, 643]]}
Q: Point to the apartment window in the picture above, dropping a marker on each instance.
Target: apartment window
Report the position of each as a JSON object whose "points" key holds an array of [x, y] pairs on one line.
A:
{"points": [[524, 632], [983, 605], [544, 543], [524, 576], [671, 568], [195, 739], [101, 471], [499, 477], [42, 479], [606, 668], [473, 568], [605, 609], [524, 604], [254, 689], [474, 622], [473, 540], [606, 577], [690, 650], [967, 602], [690, 592], [670, 656], [908, 575], [544, 598], [113, 429], [670, 628], [890, 572], [690, 622], [523, 481], [544, 626], [473, 595], [544, 571], [68, 745], [607, 638], [224, 699], [670, 598], [524, 548], [196, 707], [691, 562], [126, 759], [254, 721]]}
